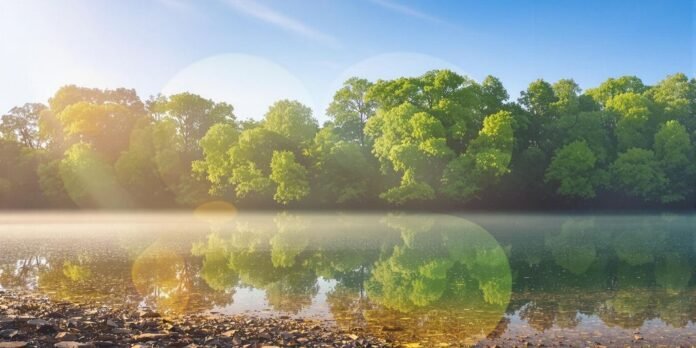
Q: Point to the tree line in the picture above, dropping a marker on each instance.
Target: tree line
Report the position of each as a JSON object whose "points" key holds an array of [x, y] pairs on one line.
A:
{"points": [[438, 140]]}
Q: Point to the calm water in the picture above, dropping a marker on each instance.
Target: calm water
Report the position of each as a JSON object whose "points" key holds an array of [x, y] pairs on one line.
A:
{"points": [[420, 277]]}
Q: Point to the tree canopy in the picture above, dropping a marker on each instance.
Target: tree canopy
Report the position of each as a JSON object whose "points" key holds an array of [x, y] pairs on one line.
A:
{"points": [[440, 139]]}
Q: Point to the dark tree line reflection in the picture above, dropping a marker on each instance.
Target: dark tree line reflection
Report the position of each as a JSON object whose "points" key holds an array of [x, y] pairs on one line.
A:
{"points": [[425, 275]]}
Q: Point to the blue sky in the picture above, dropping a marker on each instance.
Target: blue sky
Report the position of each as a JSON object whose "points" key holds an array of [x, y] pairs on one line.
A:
{"points": [[249, 52]]}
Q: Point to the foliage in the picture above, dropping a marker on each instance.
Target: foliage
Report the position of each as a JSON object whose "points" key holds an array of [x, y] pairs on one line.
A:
{"points": [[439, 137], [574, 168]]}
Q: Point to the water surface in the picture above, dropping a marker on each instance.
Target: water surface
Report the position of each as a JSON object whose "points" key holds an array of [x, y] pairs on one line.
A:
{"points": [[428, 278]]}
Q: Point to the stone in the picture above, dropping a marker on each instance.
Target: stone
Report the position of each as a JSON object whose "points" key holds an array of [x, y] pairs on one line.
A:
{"points": [[16, 344], [73, 344], [65, 336], [9, 333], [121, 331], [149, 337], [37, 322]]}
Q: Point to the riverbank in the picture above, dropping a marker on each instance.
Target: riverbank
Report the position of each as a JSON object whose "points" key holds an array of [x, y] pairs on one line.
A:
{"points": [[32, 320]]}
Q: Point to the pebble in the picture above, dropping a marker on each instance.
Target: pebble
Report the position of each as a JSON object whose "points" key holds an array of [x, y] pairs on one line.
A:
{"points": [[16, 344]]}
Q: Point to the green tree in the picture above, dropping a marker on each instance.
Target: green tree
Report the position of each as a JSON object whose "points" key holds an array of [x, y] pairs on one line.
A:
{"points": [[615, 86], [89, 180], [341, 171], [193, 115], [539, 98], [485, 161], [574, 169], [292, 120], [21, 124], [289, 176], [635, 124], [493, 95], [251, 161], [216, 164], [674, 96], [138, 172], [350, 109], [412, 143], [638, 173], [675, 155]]}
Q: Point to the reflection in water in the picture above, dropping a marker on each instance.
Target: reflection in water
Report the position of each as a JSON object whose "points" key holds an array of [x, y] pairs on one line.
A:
{"points": [[428, 278]]}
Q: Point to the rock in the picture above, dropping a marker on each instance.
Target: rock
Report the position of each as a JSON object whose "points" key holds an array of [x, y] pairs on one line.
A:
{"points": [[9, 333], [37, 322], [16, 344], [73, 344], [121, 331], [149, 337], [65, 336], [149, 314], [46, 330], [229, 333]]}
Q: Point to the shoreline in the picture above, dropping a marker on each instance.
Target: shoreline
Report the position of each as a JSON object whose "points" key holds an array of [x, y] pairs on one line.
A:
{"points": [[32, 320]]}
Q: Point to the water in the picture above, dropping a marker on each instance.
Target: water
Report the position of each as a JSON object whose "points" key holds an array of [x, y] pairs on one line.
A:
{"points": [[426, 278]]}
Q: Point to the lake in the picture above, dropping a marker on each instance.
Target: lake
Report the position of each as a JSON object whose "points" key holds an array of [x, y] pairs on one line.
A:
{"points": [[429, 278]]}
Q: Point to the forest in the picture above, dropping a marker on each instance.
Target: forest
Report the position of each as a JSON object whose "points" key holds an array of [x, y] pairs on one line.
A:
{"points": [[437, 141]]}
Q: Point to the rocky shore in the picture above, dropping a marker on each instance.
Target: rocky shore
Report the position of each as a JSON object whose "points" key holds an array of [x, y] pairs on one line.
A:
{"points": [[31, 320]]}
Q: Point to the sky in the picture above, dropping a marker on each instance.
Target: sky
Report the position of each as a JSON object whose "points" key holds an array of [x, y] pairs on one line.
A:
{"points": [[253, 52]]}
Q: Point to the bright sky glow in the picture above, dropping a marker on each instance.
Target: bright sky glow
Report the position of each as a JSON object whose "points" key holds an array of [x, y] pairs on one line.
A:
{"points": [[161, 45]]}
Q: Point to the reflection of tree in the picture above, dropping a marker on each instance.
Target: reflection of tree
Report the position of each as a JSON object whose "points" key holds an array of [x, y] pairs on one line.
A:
{"points": [[447, 266], [172, 282], [23, 273], [624, 269], [639, 244], [215, 271], [631, 304], [573, 248], [425, 274], [274, 261], [673, 272]]}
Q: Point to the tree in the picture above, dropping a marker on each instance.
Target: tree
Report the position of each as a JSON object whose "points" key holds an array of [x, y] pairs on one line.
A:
{"points": [[485, 161], [193, 116], [21, 124], [675, 97], [19, 186], [412, 143], [634, 127], [350, 109], [251, 160], [138, 172], [615, 86], [452, 99], [89, 180], [289, 176], [637, 173], [216, 164], [675, 154], [292, 120], [593, 127], [574, 168], [341, 171], [538, 98], [567, 94], [493, 95]]}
